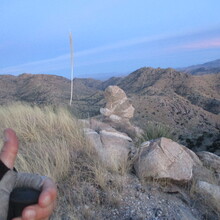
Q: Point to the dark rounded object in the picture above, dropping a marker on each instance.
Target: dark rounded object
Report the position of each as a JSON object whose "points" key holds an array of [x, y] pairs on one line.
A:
{"points": [[21, 198]]}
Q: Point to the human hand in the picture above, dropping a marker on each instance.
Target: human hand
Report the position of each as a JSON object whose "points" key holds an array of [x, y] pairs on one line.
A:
{"points": [[46, 202]]}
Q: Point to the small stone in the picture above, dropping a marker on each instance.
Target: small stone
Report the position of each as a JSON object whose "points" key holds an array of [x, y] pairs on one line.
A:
{"points": [[158, 212]]}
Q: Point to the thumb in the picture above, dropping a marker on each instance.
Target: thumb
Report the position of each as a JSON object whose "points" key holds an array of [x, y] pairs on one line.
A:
{"points": [[10, 148]]}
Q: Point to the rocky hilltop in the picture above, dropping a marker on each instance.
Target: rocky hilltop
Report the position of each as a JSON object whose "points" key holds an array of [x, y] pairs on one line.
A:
{"points": [[103, 173], [167, 177], [189, 105], [111, 174]]}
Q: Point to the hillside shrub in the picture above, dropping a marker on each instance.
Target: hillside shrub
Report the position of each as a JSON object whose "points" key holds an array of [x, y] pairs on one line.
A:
{"points": [[156, 130]]}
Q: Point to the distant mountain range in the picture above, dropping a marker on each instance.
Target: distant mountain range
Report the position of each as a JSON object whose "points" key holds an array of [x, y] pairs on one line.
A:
{"points": [[201, 69], [188, 104]]}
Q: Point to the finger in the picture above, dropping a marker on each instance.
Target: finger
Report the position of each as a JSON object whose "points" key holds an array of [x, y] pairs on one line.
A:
{"points": [[29, 216], [35, 212], [48, 194], [34, 219], [46, 202], [10, 148]]}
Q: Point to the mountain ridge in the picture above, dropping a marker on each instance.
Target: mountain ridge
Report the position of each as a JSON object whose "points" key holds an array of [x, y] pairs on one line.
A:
{"points": [[211, 67], [188, 104]]}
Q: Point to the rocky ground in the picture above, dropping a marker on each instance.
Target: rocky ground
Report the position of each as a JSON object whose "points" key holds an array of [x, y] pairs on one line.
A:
{"points": [[151, 201], [163, 181]]}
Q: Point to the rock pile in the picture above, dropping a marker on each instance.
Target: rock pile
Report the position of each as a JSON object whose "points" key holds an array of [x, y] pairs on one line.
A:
{"points": [[119, 111], [156, 159], [118, 106], [112, 146]]}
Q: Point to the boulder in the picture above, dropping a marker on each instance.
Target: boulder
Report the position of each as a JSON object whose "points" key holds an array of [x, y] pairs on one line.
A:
{"points": [[94, 139], [165, 159], [118, 112], [114, 94], [84, 123], [117, 146], [113, 147], [115, 118], [106, 112], [124, 126], [95, 124], [212, 163], [117, 104], [210, 194], [210, 160], [99, 125]]}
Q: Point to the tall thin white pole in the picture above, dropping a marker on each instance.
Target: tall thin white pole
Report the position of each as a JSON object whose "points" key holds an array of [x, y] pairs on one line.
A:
{"points": [[71, 63]]}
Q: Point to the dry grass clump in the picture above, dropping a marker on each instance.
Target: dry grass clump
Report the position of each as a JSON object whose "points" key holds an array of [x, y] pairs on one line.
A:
{"points": [[47, 137], [52, 144], [156, 130]]}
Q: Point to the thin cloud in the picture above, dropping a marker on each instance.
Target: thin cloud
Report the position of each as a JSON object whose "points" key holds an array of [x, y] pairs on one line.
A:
{"points": [[211, 43], [143, 40], [204, 44], [62, 62], [37, 66]]}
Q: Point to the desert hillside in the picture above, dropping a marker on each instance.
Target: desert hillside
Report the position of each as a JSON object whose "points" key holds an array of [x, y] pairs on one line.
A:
{"points": [[54, 90], [187, 104]]}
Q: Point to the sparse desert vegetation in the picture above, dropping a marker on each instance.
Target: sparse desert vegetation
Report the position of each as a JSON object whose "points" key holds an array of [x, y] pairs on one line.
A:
{"points": [[187, 104], [125, 119], [47, 138], [52, 143], [156, 130]]}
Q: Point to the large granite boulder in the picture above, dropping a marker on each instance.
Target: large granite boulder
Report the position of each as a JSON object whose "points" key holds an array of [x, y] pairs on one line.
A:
{"points": [[113, 147], [117, 146], [165, 159], [94, 139]]}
